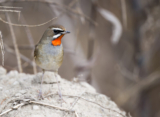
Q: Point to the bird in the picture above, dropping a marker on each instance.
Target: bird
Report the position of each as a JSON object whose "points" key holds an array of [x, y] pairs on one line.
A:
{"points": [[48, 53]]}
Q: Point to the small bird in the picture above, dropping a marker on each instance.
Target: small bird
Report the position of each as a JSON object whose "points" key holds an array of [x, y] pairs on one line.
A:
{"points": [[48, 52]]}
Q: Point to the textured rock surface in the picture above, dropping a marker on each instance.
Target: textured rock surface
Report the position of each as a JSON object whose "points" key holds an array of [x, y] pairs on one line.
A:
{"points": [[14, 85]]}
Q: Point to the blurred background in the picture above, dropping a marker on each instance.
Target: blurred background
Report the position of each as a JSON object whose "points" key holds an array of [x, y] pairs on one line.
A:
{"points": [[114, 45]]}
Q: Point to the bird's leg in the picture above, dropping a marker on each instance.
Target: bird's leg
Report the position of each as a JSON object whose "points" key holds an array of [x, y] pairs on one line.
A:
{"points": [[59, 89], [40, 96]]}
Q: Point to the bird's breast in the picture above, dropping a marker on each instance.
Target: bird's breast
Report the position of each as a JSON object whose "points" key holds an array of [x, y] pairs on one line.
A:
{"points": [[49, 57]]}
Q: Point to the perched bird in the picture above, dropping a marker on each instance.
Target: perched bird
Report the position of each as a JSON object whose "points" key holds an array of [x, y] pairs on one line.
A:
{"points": [[48, 52]]}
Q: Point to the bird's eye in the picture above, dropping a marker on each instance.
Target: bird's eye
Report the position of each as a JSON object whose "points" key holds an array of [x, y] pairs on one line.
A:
{"points": [[57, 31]]}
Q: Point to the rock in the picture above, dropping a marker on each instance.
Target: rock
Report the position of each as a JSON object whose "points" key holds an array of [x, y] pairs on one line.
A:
{"points": [[6, 91], [16, 83], [18, 94], [22, 91], [2, 71], [20, 88], [1, 88], [12, 74], [35, 107]]}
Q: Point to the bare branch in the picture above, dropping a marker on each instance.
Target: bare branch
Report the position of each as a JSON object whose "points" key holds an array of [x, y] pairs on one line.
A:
{"points": [[62, 6], [117, 31], [76, 114], [30, 101], [124, 13], [12, 11], [23, 25], [10, 7], [4, 10], [6, 112], [73, 104]]}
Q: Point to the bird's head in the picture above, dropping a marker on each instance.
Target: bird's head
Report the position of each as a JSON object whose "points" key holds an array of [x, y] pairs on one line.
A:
{"points": [[55, 34]]}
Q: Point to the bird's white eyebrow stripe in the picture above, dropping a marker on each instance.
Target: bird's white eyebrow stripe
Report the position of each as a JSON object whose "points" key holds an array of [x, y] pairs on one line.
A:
{"points": [[57, 29], [56, 36]]}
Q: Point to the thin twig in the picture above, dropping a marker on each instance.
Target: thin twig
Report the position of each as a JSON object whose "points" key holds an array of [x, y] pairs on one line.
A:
{"points": [[10, 7], [13, 108], [2, 107], [74, 103], [76, 114], [97, 104], [23, 25], [62, 6], [13, 11], [124, 13], [89, 101], [4, 10], [15, 46], [6, 112], [70, 5], [2, 48], [45, 104], [71, 10], [30, 101]]}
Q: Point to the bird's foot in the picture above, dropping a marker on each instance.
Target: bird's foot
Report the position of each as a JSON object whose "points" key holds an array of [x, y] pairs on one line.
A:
{"points": [[40, 96], [61, 100]]}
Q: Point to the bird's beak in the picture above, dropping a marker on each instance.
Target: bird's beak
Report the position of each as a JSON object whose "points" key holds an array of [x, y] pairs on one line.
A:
{"points": [[65, 32]]}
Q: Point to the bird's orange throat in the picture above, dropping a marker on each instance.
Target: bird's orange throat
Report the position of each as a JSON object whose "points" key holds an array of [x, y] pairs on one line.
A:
{"points": [[57, 41]]}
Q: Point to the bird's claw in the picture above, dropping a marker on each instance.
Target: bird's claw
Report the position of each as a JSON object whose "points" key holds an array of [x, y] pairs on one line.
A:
{"points": [[40, 96]]}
